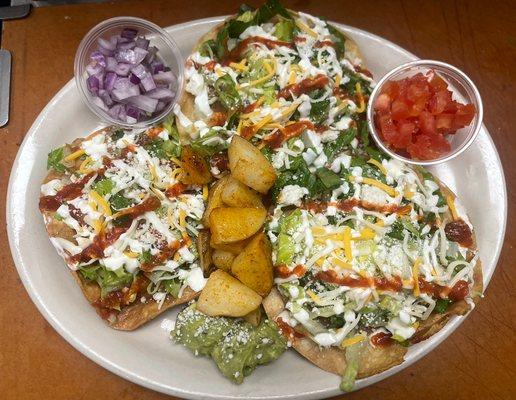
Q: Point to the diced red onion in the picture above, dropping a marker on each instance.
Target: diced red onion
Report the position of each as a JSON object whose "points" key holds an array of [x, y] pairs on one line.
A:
{"points": [[107, 44], [122, 69], [127, 80], [142, 43], [129, 33], [164, 77], [109, 81], [111, 64], [144, 103], [164, 94]]}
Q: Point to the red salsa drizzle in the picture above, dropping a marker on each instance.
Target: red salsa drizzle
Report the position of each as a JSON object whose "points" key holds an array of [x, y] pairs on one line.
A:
{"points": [[162, 256], [460, 232], [305, 86], [115, 300], [278, 137], [416, 114], [100, 242], [382, 339], [331, 276], [236, 53], [287, 330], [175, 190], [220, 161], [284, 272], [68, 192]]}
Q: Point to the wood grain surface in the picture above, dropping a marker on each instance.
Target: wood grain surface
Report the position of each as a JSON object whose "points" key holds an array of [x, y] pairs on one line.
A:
{"points": [[476, 362]]}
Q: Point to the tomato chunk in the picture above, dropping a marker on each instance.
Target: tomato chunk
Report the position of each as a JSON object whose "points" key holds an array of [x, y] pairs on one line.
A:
{"points": [[414, 115]]}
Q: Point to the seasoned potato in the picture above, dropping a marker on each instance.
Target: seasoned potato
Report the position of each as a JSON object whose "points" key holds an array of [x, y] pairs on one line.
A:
{"points": [[249, 165], [233, 248], [204, 250], [223, 259], [253, 267], [224, 295], [236, 194], [255, 317], [229, 225], [196, 170], [214, 200]]}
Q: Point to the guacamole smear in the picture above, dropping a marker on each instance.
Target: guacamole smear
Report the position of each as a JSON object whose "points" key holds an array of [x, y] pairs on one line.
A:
{"points": [[235, 345]]}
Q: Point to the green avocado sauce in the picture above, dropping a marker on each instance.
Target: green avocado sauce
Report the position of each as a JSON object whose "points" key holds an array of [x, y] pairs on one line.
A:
{"points": [[235, 345]]}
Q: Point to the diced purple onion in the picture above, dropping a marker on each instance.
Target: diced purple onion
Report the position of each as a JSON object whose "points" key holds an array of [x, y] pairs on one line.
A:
{"points": [[129, 33], [142, 43], [144, 103], [111, 64], [109, 81], [127, 79], [164, 94], [164, 77], [122, 69], [93, 84], [134, 79]]}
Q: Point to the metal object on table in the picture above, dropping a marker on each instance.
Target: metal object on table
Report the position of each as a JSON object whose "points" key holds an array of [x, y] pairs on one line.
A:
{"points": [[14, 12], [5, 83]]}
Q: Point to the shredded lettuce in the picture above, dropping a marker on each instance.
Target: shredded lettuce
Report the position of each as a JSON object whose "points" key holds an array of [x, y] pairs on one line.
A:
{"points": [[286, 247], [284, 30], [54, 160], [352, 365], [108, 281], [104, 186]]}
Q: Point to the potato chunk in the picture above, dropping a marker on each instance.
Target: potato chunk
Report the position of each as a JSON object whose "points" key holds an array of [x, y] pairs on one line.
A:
{"points": [[229, 225], [223, 259], [236, 194], [214, 200], [249, 165], [226, 296], [196, 170], [253, 267], [233, 248]]}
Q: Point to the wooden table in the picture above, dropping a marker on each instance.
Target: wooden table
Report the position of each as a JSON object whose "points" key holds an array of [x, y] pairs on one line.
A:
{"points": [[477, 361]]}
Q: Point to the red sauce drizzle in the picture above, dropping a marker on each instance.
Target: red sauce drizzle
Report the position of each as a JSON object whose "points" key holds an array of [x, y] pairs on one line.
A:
{"points": [[322, 43], [276, 139], [162, 256], [319, 207], [460, 232], [175, 190], [287, 330], [331, 276], [68, 192], [236, 53], [285, 272], [306, 85], [220, 161], [382, 339], [100, 242]]}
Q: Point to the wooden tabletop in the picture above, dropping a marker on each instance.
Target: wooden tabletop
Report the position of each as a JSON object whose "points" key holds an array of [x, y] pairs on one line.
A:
{"points": [[476, 362]]}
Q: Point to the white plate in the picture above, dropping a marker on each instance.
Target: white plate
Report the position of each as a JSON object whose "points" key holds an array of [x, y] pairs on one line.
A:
{"points": [[146, 356]]}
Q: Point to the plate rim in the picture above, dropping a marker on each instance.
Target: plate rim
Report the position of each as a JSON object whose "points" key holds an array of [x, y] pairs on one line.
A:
{"points": [[131, 376]]}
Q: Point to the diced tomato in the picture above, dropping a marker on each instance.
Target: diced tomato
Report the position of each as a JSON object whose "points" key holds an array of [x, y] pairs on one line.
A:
{"points": [[464, 115], [439, 101], [427, 123], [404, 136], [414, 114], [383, 103], [443, 123], [399, 110]]}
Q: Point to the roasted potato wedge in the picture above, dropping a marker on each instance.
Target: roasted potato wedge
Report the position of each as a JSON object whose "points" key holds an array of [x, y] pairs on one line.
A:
{"points": [[249, 165], [253, 267], [196, 170], [224, 295], [204, 250], [229, 225], [223, 259], [234, 248], [255, 317], [214, 200], [236, 194]]}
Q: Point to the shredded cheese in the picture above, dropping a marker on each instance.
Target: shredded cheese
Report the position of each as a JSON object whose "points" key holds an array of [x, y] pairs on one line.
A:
{"points": [[451, 206], [301, 25], [377, 164], [380, 185], [361, 100], [74, 155], [313, 296], [347, 243], [351, 341], [415, 276], [97, 198]]}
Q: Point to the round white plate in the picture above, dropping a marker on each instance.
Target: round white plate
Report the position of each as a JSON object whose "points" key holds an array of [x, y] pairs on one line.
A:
{"points": [[147, 356]]}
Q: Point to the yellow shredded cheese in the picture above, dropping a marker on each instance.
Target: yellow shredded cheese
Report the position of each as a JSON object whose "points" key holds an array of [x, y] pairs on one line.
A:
{"points": [[347, 243], [340, 263], [97, 226], [301, 25], [131, 254], [270, 66], [83, 168], [380, 185], [351, 341], [182, 218], [97, 198], [292, 78], [313, 296], [241, 66], [338, 79], [451, 206], [365, 234], [74, 155], [408, 194], [415, 275], [377, 164], [362, 105]]}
